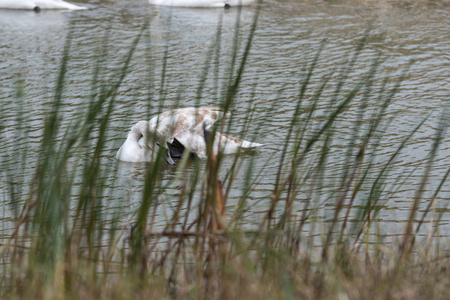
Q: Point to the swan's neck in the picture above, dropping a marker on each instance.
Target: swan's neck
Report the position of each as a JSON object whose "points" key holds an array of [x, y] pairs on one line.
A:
{"points": [[139, 131], [135, 135]]}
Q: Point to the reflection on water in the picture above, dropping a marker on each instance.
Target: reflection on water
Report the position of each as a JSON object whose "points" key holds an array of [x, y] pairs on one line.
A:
{"points": [[288, 33]]}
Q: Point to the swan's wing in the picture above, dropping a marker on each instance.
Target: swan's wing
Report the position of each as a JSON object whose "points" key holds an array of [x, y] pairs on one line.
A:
{"points": [[185, 121], [186, 126], [207, 116]]}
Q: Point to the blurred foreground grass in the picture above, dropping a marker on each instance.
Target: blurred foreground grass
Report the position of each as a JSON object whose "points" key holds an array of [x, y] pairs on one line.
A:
{"points": [[62, 247]]}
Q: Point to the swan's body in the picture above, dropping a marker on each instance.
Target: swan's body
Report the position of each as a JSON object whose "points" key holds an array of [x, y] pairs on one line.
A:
{"points": [[38, 4], [180, 129], [201, 3]]}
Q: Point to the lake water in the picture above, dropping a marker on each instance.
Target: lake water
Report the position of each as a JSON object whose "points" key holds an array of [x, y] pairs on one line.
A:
{"points": [[288, 34]]}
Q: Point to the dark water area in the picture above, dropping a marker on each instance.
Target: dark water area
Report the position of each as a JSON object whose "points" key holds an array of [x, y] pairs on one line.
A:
{"points": [[288, 34]]}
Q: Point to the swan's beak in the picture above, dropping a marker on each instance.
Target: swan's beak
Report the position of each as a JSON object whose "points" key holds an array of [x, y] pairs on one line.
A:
{"points": [[169, 159]]}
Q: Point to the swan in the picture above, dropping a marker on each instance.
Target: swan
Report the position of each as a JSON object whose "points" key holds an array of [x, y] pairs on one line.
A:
{"points": [[180, 129], [37, 5], [202, 3]]}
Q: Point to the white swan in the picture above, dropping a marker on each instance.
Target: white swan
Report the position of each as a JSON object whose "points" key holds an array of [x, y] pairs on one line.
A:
{"points": [[37, 5], [202, 3], [179, 129]]}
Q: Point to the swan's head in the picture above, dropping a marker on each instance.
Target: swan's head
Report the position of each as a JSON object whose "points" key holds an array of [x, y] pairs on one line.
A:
{"points": [[168, 158]]}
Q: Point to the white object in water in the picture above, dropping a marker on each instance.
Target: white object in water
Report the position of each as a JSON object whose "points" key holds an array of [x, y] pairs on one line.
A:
{"points": [[201, 3], [37, 5]]}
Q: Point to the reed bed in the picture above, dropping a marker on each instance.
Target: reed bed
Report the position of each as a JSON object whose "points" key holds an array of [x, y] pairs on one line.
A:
{"points": [[61, 245]]}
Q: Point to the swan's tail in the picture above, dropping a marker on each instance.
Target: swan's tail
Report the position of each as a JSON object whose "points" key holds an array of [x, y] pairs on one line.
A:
{"points": [[227, 144], [230, 144], [249, 145]]}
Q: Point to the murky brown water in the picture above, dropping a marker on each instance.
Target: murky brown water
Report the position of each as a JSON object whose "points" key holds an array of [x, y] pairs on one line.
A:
{"points": [[288, 33]]}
